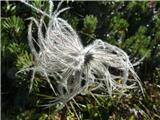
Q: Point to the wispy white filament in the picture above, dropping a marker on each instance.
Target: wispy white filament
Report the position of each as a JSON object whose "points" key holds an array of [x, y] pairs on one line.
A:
{"points": [[76, 69]]}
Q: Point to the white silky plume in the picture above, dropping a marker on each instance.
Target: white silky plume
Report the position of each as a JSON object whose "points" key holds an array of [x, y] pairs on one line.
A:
{"points": [[76, 69]]}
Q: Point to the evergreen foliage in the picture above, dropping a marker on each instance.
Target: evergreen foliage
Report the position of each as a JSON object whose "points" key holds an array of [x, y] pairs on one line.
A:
{"points": [[133, 26]]}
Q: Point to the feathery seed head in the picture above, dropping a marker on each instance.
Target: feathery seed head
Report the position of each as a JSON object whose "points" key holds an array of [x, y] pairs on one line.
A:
{"points": [[77, 69]]}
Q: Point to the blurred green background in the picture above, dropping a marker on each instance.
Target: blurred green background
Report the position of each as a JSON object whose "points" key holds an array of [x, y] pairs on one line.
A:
{"points": [[132, 26]]}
